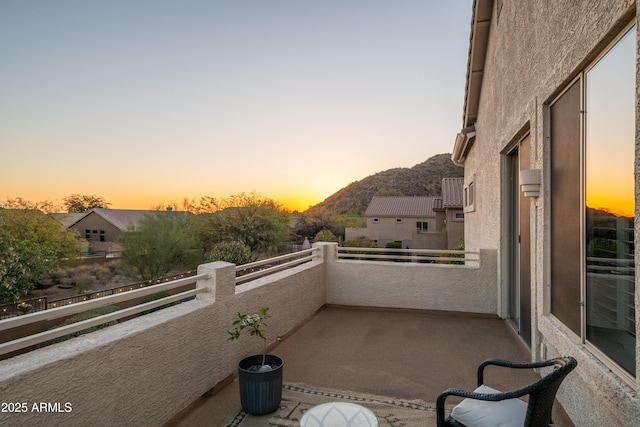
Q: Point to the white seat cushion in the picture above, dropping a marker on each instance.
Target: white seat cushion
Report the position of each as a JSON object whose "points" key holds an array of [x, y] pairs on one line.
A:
{"points": [[481, 413]]}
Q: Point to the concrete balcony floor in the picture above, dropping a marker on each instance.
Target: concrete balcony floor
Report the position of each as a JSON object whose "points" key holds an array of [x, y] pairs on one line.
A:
{"points": [[401, 354]]}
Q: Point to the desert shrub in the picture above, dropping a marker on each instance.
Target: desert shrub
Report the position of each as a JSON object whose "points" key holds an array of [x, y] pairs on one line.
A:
{"points": [[83, 288], [85, 315], [87, 276], [84, 278], [101, 272], [56, 276], [235, 252], [325, 236], [393, 245], [359, 242], [460, 247]]}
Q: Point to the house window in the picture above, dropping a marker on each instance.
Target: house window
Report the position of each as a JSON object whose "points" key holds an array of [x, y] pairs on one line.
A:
{"points": [[592, 260], [469, 195], [422, 226], [398, 220], [460, 216]]}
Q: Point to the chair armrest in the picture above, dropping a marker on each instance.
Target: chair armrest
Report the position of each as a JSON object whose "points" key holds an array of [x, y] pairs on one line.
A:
{"points": [[508, 364]]}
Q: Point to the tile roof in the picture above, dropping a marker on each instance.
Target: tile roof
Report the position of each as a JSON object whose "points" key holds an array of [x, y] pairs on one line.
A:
{"points": [[121, 218], [67, 219], [452, 192], [417, 206]]}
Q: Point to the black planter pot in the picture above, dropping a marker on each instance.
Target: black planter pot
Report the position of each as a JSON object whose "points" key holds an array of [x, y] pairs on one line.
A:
{"points": [[260, 392]]}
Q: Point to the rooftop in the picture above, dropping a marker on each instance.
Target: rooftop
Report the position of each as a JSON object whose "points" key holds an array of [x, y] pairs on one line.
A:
{"points": [[452, 192], [369, 323], [400, 354], [401, 206]]}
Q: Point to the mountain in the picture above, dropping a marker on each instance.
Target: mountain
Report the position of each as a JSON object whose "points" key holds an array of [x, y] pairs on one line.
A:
{"points": [[423, 179]]}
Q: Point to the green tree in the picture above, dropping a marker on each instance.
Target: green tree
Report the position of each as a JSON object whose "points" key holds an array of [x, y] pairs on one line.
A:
{"points": [[258, 222], [21, 204], [354, 219], [23, 220], [32, 244], [84, 202], [161, 243], [22, 263]]}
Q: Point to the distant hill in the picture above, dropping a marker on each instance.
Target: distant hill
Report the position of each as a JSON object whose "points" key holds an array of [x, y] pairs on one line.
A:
{"points": [[423, 179]]}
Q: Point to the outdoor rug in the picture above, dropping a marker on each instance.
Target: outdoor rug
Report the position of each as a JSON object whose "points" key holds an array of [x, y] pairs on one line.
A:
{"points": [[298, 398]]}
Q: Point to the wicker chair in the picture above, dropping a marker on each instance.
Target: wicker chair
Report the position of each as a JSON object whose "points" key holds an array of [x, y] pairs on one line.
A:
{"points": [[486, 406]]}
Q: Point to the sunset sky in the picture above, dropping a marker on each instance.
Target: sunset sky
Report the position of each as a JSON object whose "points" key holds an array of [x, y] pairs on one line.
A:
{"points": [[149, 102]]}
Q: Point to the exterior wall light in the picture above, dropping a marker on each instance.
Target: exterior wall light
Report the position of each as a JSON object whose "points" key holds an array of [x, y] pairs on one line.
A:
{"points": [[530, 182]]}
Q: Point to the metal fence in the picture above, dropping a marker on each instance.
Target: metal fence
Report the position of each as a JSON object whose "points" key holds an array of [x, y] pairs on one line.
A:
{"points": [[30, 305], [42, 303]]}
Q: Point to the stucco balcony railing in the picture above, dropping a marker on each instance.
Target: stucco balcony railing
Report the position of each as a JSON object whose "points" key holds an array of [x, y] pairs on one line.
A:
{"points": [[146, 370]]}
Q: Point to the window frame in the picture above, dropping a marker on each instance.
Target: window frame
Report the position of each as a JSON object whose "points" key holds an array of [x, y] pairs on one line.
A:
{"points": [[421, 229], [469, 195], [581, 78]]}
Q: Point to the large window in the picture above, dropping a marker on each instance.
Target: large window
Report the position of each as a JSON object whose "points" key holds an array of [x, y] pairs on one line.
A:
{"points": [[609, 198], [592, 174]]}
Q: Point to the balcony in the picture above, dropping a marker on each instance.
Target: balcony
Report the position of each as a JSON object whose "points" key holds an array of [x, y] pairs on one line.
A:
{"points": [[405, 330]]}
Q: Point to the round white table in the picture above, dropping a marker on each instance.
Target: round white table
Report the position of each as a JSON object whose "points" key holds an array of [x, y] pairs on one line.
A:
{"points": [[339, 414]]}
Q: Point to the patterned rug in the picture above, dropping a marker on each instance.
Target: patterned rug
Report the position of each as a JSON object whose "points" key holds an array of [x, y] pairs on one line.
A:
{"points": [[298, 398]]}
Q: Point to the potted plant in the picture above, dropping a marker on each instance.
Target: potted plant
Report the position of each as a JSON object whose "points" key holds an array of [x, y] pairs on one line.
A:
{"points": [[260, 376]]}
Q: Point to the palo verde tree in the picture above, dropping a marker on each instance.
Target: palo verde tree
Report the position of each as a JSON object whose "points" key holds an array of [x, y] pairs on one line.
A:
{"points": [[161, 242], [84, 203], [258, 222]]}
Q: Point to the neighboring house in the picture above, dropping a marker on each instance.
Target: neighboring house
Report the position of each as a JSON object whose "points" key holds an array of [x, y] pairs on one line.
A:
{"points": [[549, 137], [418, 222], [452, 210], [102, 228]]}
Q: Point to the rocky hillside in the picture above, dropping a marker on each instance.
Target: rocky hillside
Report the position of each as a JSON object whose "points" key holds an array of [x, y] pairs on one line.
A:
{"points": [[423, 179]]}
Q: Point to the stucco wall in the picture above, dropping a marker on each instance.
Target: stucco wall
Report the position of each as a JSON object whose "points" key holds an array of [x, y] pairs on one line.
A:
{"points": [[535, 49], [93, 222], [415, 286], [455, 228], [436, 240], [144, 371], [389, 230]]}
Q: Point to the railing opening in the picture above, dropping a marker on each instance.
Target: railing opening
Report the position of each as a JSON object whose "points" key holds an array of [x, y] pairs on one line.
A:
{"points": [[257, 269], [423, 256]]}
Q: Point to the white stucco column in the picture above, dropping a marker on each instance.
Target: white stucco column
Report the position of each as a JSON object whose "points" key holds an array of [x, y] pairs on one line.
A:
{"points": [[221, 283]]}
